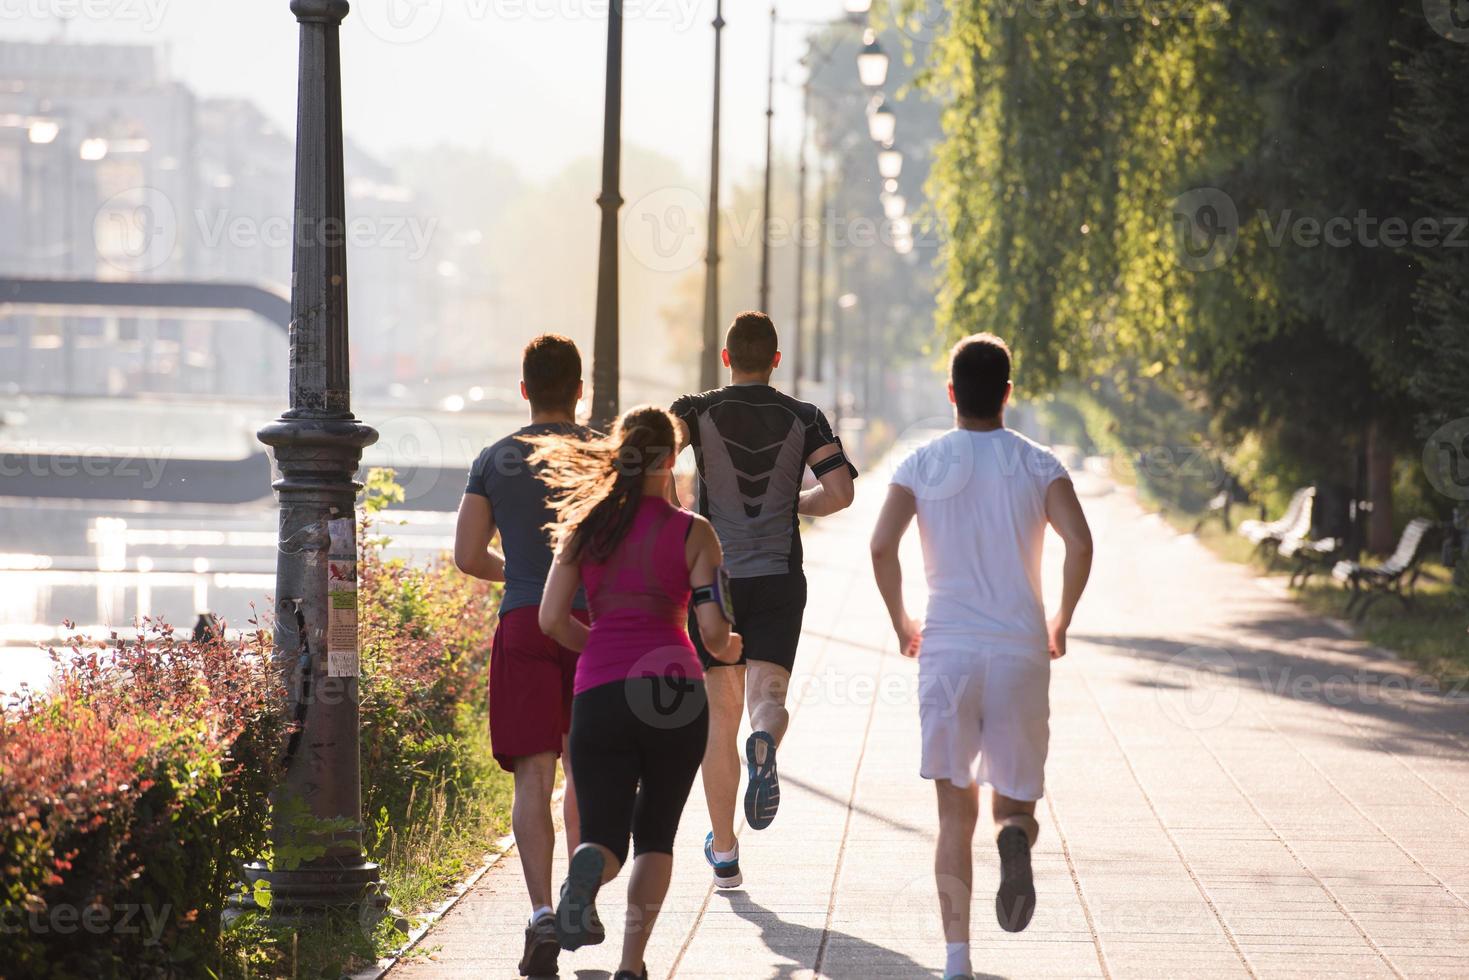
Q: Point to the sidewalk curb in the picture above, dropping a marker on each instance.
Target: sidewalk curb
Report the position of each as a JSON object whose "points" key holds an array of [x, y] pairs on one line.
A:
{"points": [[431, 918]]}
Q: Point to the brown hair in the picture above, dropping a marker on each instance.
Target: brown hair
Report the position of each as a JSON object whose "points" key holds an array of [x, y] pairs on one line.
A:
{"points": [[551, 368], [752, 343], [597, 484], [979, 368]]}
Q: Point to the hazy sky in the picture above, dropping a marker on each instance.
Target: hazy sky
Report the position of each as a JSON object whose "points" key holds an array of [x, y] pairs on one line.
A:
{"points": [[520, 78]]}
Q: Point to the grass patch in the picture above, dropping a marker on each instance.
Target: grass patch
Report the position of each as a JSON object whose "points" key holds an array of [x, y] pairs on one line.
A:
{"points": [[454, 834], [1429, 634]]}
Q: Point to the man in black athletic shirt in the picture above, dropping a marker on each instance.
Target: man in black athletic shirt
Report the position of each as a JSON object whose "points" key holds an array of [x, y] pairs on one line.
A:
{"points": [[752, 445]]}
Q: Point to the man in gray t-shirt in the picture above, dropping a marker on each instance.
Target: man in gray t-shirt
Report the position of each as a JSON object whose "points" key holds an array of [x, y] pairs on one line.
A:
{"points": [[530, 675]]}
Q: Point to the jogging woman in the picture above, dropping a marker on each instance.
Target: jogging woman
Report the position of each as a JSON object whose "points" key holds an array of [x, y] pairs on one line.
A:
{"points": [[640, 717]]}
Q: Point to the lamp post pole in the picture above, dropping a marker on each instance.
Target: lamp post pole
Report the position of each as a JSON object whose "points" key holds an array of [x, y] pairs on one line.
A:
{"points": [[801, 174], [818, 346], [605, 367], [709, 363], [769, 166], [318, 443]]}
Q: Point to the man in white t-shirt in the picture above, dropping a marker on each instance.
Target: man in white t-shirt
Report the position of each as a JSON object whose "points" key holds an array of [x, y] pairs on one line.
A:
{"points": [[984, 496]]}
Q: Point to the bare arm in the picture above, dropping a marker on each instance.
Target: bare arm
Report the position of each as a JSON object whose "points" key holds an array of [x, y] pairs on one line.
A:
{"points": [[837, 488], [1064, 512], [555, 616], [472, 536], [897, 513], [704, 557]]}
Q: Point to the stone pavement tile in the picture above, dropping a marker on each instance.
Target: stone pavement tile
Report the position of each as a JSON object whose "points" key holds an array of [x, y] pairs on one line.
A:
{"points": [[1286, 825]]}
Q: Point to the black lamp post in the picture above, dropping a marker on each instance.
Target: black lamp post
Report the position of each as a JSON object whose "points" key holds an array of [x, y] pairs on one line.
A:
{"points": [[769, 165], [605, 367], [318, 443], [709, 362]]}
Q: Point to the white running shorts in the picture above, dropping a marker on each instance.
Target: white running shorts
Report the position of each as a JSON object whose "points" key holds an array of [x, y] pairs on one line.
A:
{"points": [[985, 718]]}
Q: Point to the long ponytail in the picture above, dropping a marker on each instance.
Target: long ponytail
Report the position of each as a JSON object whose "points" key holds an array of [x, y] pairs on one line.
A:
{"points": [[597, 484]]}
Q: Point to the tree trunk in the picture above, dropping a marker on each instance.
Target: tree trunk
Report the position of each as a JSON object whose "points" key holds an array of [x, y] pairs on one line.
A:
{"points": [[1380, 538]]}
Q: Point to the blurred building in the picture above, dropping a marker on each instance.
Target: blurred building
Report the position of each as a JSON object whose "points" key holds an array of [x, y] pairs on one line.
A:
{"points": [[111, 170]]}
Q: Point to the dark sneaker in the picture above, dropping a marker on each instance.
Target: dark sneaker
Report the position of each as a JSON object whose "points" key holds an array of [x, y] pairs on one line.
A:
{"points": [[541, 948], [577, 924], [629, 975], [726, 873], [1015, 899], [762, 795]]}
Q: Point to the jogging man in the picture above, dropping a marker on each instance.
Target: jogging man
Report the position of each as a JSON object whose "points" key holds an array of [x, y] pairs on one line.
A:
{"points": [[752, 445], [531, 676], [983, 495]]}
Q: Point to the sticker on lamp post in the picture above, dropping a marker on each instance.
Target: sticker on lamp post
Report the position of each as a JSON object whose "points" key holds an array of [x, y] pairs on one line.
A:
{"points": [[341, 596]]}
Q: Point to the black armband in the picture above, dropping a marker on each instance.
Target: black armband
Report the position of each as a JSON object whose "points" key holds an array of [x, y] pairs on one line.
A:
{"points": [[717, 592], [830, 463]]}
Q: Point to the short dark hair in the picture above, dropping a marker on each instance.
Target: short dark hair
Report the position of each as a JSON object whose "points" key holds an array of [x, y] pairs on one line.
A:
{"points": [[752, 343], [979, 367], [551, 368]]}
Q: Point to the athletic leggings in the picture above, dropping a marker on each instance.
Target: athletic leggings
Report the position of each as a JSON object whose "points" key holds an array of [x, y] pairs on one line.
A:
{"points": [[636, 746]]}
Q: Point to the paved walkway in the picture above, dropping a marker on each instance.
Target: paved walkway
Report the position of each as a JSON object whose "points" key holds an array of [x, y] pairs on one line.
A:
{"points": [[1234, 790]]}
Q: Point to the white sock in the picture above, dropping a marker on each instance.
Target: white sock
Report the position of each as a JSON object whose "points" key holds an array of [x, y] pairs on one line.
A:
{"points": [[542, 910], [723, 856], [956, 962]]}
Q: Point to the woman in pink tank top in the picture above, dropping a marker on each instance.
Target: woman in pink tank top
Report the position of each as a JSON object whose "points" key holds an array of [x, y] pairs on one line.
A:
{"points": [[640, 717]]}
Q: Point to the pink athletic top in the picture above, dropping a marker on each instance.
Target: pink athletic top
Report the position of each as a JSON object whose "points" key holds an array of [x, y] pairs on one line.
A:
{"points": [[639, 601]]}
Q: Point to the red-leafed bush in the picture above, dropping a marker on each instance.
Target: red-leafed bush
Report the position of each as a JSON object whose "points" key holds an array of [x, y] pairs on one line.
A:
{"points": [[128, 793]]}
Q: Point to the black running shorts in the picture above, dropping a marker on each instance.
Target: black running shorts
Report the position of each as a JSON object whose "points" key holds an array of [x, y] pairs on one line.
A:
{"points": [[768, 612]]}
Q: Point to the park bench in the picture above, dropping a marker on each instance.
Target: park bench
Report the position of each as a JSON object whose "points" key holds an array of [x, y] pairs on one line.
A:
{"points": [[1267, 536], [1394, 577]]}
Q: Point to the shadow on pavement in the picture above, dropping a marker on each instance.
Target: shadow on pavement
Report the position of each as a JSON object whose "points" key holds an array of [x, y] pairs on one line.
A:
{"points": [[1421, 717], [793, 943], [886, 819]]}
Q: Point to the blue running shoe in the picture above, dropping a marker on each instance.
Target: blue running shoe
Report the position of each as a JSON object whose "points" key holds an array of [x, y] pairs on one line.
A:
{"points": [[726, 873], [762, 795]]}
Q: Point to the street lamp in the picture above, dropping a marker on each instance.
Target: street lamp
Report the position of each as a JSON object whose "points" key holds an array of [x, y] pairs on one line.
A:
{"points": [[709, 363], [858, 8], [882, 125], [890, 163], [318, 443], [605, 367], [872, 61], [894, 206]]}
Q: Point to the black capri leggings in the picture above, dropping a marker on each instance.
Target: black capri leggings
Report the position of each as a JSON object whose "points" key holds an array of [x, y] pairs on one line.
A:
{"points": [[636, 746]]}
